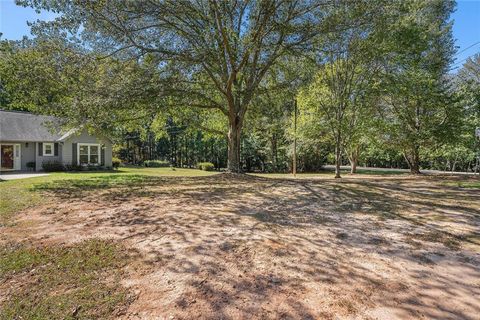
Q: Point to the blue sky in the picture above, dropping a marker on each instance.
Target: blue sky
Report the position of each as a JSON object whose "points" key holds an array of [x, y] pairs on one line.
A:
{"points": [[466, 29]]}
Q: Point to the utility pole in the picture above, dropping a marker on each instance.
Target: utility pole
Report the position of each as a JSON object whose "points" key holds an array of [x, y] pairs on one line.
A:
{"points": [[294, 166]]}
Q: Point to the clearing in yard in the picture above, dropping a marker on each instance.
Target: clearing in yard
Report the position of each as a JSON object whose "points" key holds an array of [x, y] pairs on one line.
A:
{"points": [[157, 243]]}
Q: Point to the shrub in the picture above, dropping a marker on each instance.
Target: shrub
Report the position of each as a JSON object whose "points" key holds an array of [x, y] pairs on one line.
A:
{"points": [[52, 166], [206, 166], [94, 167], [156, 163], [116, 163], [31, 165], [73, 167]]}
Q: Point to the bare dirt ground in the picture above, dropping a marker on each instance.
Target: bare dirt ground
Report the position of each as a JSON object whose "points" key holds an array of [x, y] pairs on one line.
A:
{"points": [[243, 247]]}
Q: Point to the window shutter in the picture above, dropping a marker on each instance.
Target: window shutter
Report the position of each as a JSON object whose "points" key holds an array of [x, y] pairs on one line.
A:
{"points": [[40, 149], [102, 155], [74, 154], [55, 149]]}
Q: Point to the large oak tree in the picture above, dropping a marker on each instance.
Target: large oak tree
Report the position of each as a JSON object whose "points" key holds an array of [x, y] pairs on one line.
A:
{"points": [[221, 50]]}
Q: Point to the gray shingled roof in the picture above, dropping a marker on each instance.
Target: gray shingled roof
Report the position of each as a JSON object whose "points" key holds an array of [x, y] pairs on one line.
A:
{"points": [[23, 126]]}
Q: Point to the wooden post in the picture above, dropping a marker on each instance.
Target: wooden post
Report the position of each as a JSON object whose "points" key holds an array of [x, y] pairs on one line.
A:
{"points": [[294, 166]]}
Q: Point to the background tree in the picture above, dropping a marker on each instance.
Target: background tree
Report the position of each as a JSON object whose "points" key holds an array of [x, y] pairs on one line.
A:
{"points": [[343, 79], [59, 79], [419, 47]]}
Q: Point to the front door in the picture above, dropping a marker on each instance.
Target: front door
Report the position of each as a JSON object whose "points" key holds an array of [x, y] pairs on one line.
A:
{"points": [[10, 157], [6, 152]]}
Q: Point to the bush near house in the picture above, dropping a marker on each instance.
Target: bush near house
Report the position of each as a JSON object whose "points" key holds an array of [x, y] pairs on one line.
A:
{"points": [[156, 164], [206, 166], [52, 166], [56, 166], [73, 167], [94, 167], [116, 162]]}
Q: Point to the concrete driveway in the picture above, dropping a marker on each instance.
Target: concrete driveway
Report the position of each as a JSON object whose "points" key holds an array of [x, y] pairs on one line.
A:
{"points": [[14, 176]]}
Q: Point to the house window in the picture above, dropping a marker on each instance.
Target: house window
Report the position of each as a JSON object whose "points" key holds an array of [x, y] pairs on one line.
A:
{"points": [[88, 153], [48, 149]]}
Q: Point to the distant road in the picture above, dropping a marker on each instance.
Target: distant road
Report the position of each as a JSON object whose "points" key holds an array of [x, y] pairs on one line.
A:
{"points": [[331, 167]]}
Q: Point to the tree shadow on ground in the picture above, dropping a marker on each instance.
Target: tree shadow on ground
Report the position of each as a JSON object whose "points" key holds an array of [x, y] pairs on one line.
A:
{"points": [[75, 188], [231, 247]]}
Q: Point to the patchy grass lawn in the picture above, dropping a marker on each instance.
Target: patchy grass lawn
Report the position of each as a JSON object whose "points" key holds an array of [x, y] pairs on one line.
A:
{"points": [[245, 246], [17, 195], [62, 282]]}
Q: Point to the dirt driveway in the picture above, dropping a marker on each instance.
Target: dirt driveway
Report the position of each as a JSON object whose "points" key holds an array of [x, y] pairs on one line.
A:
{"points": [[243, 247]]}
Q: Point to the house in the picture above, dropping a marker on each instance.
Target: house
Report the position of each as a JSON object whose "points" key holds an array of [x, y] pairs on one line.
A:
{"points": [[26, 138]]}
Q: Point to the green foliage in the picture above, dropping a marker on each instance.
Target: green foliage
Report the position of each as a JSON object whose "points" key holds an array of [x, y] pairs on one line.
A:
{"points": [[156, 163], [417, 106], [74, 167], [116, 162], [62, 279], [217, 73], [52, 76], [206, 166], [53, 166], [371, 82]]}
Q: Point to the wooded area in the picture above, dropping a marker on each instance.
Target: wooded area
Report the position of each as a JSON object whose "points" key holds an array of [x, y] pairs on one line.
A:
{"points": [[376, 82]]}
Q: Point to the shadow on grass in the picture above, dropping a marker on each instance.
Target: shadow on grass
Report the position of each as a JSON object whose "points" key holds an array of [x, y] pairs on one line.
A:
{"points": [[76, 186]]}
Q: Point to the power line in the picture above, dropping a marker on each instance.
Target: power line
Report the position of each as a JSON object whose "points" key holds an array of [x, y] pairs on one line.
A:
{"points": [[473, 45], [458, 63]]}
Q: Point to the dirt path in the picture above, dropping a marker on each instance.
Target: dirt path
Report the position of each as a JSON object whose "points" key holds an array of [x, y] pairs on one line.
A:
{"points": [[231, 248]]}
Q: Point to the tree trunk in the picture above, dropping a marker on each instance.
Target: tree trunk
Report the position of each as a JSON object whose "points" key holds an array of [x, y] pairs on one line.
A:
{"points": [[454, 164], [353, 165], [413, 160], [274, 151], [353, 157], [234, 134], [338, 156]]}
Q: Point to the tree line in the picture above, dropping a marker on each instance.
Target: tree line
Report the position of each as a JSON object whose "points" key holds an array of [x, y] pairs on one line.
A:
{"points": [[190, 81]]}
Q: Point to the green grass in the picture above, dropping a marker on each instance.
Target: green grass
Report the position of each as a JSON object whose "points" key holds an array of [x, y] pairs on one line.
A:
{"points": [[469, 184], [380, 172], [62, 282], [20, 194]]}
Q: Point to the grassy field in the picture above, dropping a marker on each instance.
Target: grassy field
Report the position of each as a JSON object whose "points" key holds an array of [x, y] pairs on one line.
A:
{"points": [[19, 194], [67, 282], [162, 243]]}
